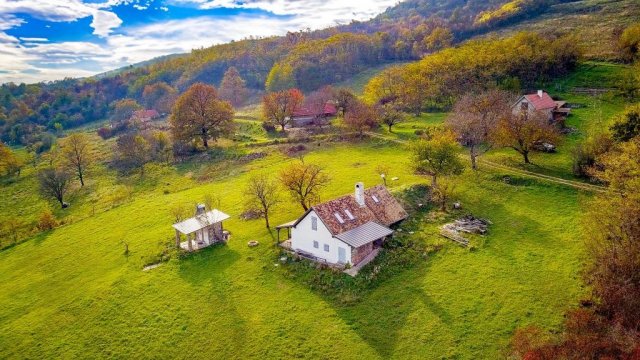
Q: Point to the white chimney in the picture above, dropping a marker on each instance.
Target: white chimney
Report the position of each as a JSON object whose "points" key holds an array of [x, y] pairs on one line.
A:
{"points": [[360, 193], [200, 209], [540, 92]]}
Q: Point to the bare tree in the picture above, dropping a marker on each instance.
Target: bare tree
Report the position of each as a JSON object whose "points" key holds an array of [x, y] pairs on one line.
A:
{"points": [[54, 183], [262, 193], [304, 182], [361, 117], [76, 153], [523, 131], [474, 119]]}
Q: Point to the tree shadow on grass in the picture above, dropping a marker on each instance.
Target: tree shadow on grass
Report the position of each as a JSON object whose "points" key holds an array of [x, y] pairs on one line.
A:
{"points": [[207, 264]]}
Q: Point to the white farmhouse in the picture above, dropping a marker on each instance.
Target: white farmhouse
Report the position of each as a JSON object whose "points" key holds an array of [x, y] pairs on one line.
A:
{"points": [[346, 230], [556, 111]]}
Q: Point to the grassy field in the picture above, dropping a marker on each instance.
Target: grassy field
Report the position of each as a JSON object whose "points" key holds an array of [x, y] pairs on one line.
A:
{"points": [[73, 293]]}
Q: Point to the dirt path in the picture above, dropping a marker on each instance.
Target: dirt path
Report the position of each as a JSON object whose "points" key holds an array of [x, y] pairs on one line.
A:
{"points": [[572, 183]]}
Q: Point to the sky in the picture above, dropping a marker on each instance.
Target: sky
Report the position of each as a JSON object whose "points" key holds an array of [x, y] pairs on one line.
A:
{"points": [[44, 40]]}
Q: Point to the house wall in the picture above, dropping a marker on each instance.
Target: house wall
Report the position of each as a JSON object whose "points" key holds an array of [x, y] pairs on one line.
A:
{"points": [[517, 108], [302, 237]]}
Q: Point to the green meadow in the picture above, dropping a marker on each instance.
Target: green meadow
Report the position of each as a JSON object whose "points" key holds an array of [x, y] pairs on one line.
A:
{"points": [[72, 292]]}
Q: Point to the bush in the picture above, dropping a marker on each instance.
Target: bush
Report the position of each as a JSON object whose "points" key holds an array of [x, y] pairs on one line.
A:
{"points": [[268, 127], [585, 154], [47, 220]]}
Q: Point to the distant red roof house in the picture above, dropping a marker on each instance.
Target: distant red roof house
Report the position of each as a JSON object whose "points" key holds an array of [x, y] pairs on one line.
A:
{"points": [[541, 101], [304, 116], [145, 115]]}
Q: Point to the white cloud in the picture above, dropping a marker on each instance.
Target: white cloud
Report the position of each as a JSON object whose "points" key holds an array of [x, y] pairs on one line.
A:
{"points": [[60, 11], [32, 59], [104, 22]]}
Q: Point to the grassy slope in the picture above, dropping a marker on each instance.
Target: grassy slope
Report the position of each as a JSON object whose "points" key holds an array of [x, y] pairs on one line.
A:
{"points": [[71, 292], [592, 21]]}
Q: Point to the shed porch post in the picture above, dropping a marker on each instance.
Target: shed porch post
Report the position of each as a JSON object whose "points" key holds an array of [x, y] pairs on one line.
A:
{"points": [[177, 239], [189, 239]]}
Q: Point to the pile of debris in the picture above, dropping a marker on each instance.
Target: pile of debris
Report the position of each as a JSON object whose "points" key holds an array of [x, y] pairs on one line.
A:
{"points": [[467, 224]]}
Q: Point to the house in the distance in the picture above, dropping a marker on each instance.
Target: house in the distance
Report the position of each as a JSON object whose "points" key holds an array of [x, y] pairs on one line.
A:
{"points": [[347, 230], [145, 116], [556, 111], [202, 230], [306, 116]]}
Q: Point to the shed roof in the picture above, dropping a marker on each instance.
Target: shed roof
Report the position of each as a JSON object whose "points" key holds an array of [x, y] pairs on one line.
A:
{"points": [[364, 234], [200, 221]]}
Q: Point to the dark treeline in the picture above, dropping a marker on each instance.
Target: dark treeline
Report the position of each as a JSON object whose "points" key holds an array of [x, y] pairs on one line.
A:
{"points": [[306, 59]]}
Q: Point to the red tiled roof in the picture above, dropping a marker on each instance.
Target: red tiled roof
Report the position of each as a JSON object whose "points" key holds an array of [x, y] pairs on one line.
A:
{"points": [[329, 110], [146, 114], [541, 103], [385, 211]]}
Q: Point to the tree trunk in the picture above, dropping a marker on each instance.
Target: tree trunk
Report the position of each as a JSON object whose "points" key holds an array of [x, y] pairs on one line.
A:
{"points": [[525, 154], [434, 181], [473, 155], [61, 201], [304, 205], [266, 219], [205, 141], [282, 126], [390, 127], [80, 177]]}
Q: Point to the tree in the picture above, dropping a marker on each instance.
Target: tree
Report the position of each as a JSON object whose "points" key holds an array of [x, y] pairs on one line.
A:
{"points": [[10, 164], [159, 96], [474, 119], [76, 154], [317, 101], [439, 38], [614, 236], [304, 182], [54, 183], [233, 88], [122, 110], [390, 115], [279, 107], [627, 125], [523, 131], [200, 114], [629, 43], [437, 156], [261, 193], [344, 99], [132, 152], [361, 117]]}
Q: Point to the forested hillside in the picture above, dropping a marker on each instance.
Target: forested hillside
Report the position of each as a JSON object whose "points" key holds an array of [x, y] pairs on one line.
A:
{"points": [[33, 114]]}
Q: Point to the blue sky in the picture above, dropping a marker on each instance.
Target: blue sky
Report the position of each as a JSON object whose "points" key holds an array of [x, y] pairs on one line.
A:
{"points": [[43, 40]]}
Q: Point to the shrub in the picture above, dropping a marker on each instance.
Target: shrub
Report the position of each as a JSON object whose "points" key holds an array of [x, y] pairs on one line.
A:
{"points": [[47, 220], [586, 153], [268, 127]]}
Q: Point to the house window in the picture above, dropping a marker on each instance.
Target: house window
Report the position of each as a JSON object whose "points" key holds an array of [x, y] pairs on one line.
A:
{"points": [[316, 245], [326, 247], [375, 198], [349, 214], [340, 219], [524, 106], [314, 223]]}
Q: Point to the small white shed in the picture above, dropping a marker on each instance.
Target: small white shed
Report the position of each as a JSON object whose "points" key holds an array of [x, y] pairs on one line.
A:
{"points": [[202, 230]]}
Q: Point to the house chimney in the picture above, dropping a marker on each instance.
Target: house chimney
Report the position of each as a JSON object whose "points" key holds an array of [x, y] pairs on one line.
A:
{"points": [[360, 194], [200, 209], [540, 92]]}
